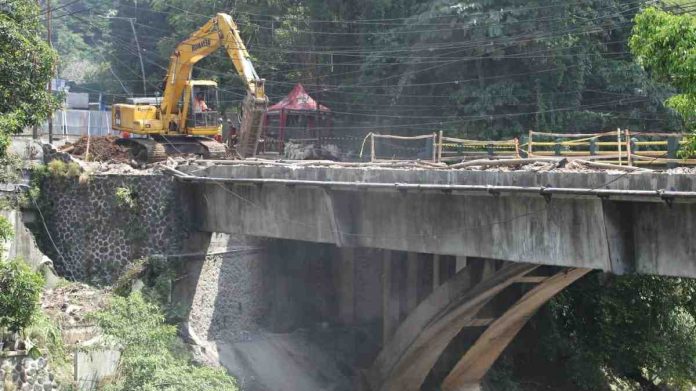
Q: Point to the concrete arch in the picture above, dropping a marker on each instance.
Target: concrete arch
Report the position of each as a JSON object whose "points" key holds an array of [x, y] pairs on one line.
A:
{"points": [[420, 339]]}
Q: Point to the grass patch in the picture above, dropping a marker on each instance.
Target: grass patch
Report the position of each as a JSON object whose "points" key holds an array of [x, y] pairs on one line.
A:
{"points": [[47, 337], [153, 357], [125, 197]]}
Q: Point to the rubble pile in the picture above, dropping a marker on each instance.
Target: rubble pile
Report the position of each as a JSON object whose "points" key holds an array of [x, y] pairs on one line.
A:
{"points": [[101, 148], [69, 304]]}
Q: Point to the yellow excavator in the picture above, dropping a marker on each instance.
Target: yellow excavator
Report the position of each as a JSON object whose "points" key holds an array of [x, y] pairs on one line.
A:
{"points": [[186, 119]]}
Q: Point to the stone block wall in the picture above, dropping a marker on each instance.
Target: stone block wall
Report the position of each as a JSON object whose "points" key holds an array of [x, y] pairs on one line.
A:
{"points": [[229, 289], [99, 225], [27, 374]]}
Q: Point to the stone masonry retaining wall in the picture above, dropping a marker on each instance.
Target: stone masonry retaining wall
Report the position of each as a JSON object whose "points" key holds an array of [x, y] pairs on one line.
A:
{"points": [[27, 374], [96, 232]]}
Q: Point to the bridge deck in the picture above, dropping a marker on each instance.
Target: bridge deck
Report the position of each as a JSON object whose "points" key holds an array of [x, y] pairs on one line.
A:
{"points": [[619, 222]]}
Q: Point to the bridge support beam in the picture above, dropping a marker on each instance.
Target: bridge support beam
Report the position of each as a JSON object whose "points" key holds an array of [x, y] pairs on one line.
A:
{"points": [[406, 360], [472, 367], [418, 342]]}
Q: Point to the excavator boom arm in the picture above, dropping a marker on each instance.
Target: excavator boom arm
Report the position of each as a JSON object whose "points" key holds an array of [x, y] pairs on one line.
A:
{"points": [[218, 31]]}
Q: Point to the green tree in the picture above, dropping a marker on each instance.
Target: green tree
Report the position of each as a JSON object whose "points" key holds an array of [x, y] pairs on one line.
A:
{"points": [[20, 289], [607, 332], [638, 328], [26, 66], [152, 357], [665, 45]]}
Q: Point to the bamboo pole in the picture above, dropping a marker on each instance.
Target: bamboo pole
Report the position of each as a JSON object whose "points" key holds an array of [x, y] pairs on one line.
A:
{"points": [[654, 134], [89, 131], [529, 144], [435, 147], [517, 147], [628, 147], [618, 139], [505, 162], [478, 142], [609, 166], [439, 149], [570, 135], [372, 147], [423, 136]]}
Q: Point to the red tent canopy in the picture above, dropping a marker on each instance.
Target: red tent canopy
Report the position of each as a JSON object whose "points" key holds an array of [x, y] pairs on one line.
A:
{"points": [[297, 100]]}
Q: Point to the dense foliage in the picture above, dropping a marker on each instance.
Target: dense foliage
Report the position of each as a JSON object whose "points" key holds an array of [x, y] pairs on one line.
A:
{"points": [[638, 328], [627, 333], [26, 66], [665, 44], [20, 289], [490, 68], [152, 356]]}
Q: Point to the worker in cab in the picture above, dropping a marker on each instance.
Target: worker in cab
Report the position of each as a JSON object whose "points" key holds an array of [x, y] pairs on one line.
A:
{"points": [[199, 105]]}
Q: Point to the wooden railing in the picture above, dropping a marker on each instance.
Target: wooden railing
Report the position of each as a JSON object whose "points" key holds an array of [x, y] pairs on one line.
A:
{"points": [[426, 151], [456, 149], [622, 147]]}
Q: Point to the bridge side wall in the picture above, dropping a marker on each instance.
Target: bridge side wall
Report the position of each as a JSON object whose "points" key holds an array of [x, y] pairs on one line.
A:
{"points": [[618, 236], [564, 232]]}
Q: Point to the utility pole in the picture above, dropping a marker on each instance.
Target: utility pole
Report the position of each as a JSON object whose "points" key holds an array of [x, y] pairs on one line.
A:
{"points": [[50, 88], [140, 55]]}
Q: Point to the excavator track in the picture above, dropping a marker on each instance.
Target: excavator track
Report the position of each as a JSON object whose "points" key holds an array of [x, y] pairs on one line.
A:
{"points": [[215, 150], [159, 148], [144, 150]]}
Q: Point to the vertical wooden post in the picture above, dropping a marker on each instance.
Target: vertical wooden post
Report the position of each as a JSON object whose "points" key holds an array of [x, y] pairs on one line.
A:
{"points": [[434, 147], [629, 150], [672, 149], [89, 133], [50, 44], [372, 147], [439, 149], [517, 147], [618, 138], [529, 144], [593, 146]]}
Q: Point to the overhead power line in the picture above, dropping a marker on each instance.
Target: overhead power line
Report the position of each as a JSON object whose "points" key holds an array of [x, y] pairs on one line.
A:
{"points": [[337, 88]]}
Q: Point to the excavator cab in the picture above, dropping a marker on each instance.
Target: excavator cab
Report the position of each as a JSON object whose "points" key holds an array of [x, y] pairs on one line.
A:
{"points": [[203, 116]]}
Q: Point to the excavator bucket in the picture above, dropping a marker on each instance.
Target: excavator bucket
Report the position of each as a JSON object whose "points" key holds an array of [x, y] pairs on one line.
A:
{"points": [[252, 125]]}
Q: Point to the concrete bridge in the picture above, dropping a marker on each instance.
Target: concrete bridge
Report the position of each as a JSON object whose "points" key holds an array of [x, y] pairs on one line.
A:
{"points": [[451, 255]]}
